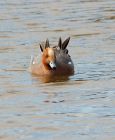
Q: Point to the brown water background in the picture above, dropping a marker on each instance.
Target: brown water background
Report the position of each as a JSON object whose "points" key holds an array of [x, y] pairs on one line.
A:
{"points": [[80, 107]]}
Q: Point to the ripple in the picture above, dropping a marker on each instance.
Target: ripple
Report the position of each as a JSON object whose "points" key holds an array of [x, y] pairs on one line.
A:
{"points": [[110, 18]]}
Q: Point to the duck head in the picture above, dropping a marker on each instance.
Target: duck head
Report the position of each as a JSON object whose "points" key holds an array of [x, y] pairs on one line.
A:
{"points": [[48, 56]]}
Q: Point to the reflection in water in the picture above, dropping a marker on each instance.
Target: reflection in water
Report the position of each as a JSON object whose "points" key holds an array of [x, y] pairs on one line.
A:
{"points": [[49, 79]]}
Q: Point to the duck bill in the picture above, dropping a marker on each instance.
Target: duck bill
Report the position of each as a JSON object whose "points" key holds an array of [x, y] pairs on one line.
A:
{"points": [[52, 65]]}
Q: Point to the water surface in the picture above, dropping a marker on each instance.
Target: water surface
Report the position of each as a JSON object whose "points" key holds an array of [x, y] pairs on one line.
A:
{"points": [[81, 106]]}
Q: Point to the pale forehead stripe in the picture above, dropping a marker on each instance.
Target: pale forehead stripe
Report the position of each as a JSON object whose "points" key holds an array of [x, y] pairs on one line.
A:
{"points": [[50, 52]]}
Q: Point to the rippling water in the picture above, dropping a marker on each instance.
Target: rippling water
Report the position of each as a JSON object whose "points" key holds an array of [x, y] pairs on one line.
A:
{"points": [[78, 107]]}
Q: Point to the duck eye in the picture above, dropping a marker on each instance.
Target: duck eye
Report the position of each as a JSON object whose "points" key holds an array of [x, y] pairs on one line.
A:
{"points": [[46, 55], [66, 51]]}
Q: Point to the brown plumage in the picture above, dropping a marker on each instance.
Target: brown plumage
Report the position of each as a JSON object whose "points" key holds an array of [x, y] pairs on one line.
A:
{"points": [[54, 60]]}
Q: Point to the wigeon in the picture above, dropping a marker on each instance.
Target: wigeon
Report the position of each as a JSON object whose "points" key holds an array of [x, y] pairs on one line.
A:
{"points": [[54, 60]]}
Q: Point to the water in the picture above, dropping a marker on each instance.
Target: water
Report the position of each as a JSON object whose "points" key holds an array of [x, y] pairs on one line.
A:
{"points": [[81, 106]]}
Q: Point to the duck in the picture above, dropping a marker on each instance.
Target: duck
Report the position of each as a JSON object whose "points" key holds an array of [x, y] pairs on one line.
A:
{"points": [[55, 60]]}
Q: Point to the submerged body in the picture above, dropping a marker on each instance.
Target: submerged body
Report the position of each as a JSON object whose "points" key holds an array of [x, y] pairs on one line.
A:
{"points": [[55, 60]]}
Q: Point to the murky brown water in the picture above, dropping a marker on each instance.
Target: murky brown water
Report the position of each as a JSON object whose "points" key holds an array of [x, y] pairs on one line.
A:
{"points": [[77, 107]]}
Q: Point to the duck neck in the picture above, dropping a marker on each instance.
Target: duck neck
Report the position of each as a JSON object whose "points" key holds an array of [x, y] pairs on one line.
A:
{"points": [[46, 65]]}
